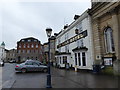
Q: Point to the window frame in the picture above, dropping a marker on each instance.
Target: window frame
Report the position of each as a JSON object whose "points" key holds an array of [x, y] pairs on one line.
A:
{"points": [[109, 42]]}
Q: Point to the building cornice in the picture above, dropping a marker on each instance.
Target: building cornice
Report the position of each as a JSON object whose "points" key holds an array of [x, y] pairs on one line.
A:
{"points": [[103, 9], [62, 53], [80, 48]]}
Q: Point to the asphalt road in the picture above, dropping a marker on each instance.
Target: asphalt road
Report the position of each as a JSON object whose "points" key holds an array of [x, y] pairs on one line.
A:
{"points": [[60, 79]]}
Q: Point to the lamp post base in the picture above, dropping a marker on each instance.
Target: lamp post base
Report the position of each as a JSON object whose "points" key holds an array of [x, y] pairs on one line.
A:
{"points": [[48, 81]]}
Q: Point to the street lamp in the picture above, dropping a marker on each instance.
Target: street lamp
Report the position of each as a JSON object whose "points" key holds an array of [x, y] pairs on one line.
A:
{"points": [[49, 31]]}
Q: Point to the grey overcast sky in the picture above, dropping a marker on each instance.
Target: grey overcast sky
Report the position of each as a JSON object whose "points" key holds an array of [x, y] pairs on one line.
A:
{"points": [[30, 19]]}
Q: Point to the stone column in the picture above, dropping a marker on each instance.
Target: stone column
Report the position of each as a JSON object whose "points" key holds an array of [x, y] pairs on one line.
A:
{"points": [[116, 31], [119, 41], [97, 40]]}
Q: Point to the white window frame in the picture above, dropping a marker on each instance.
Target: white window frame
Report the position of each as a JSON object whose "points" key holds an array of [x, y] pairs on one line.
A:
{"points": [[108, 35], [36, 45], [24, 46], [32, 46], [28, 46]]}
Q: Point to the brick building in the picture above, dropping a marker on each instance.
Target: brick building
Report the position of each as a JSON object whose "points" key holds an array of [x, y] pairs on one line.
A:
{"points": [[29, 48]]}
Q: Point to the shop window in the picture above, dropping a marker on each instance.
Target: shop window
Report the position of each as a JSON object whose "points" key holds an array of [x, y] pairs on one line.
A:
{"points": [[64, 59], [79, 59], [83, 58], [75, 58], [60, 60]]}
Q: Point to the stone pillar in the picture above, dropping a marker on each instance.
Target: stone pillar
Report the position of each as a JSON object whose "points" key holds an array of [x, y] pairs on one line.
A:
{"points": [[119, 35], [97, 39], [116, 31]]}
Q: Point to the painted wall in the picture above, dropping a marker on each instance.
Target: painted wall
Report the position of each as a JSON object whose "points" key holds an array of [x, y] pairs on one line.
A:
{"points": [[86, 25]]}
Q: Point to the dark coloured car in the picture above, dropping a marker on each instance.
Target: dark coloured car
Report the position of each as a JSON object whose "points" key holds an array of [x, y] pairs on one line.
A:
{"points": [[31, 65]]}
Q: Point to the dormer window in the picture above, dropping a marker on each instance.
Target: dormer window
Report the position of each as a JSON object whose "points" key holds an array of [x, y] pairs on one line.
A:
{"points": [[23, 40], [29, 40], [35, 40]]}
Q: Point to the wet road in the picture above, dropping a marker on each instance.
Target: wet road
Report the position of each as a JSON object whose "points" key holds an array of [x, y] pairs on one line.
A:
{"points": [[60, 79]]}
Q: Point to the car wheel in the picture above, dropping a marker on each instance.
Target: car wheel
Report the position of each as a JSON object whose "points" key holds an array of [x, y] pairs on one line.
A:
{"points": [[23, 70], [45, 70]]}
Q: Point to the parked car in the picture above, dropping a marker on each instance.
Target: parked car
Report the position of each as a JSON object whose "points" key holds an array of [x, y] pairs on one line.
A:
{"points": [[12, 61], [31, 65], [1, 63]]}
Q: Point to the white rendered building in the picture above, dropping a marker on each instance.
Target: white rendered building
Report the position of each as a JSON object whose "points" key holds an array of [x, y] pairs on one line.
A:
{"points": [[2, 51], [74, 44]]}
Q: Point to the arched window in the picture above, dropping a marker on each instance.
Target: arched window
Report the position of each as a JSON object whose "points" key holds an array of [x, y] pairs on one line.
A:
{"points": [[109, 43]]}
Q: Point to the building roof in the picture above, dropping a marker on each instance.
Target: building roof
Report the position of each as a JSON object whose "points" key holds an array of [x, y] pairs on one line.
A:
{"points": [[29, 38], [2, 44]]}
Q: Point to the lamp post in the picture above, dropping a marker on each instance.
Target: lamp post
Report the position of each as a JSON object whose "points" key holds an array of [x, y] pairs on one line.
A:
{"points": [[49, 31]]}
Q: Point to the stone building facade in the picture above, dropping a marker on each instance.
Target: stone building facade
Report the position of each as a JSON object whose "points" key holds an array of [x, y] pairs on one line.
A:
{"points": [[45, 52], [52, 50], [11, 55], [2, 52], [29, 48], [106, 31]]}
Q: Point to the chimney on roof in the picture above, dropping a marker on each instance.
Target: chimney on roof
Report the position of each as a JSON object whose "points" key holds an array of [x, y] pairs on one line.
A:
{"points": [[76, 17], [65, 26], [55, 34]]}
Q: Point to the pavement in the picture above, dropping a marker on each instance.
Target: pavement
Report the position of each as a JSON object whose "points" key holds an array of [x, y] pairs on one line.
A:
{"points": [[0, 78], [61, 78]]}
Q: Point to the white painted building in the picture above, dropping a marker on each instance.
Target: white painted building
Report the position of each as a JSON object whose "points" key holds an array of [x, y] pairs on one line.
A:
{"points": [[2, 51], [75, 49]]}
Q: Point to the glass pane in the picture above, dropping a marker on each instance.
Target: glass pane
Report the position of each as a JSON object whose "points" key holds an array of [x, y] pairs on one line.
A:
{"points": [[79, 59], [84, 59]]}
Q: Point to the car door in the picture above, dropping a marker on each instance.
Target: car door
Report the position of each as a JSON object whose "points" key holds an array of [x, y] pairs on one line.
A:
{"points": [[29, 66], [36, 66], [41, 67]]}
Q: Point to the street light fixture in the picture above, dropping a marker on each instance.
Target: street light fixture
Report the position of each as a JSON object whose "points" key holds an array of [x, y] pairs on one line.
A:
{"points": [[49, 31]]}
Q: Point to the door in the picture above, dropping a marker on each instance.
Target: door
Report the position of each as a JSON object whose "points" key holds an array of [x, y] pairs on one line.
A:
{"points": [[36, 66], [29, 66]]}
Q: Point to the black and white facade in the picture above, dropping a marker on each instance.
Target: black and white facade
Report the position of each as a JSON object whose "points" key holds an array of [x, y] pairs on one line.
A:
{"points": [[74, 44]]}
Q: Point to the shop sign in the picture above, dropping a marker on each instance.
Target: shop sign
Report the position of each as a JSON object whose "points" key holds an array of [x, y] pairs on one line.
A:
{"points": [[73, 39]]}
